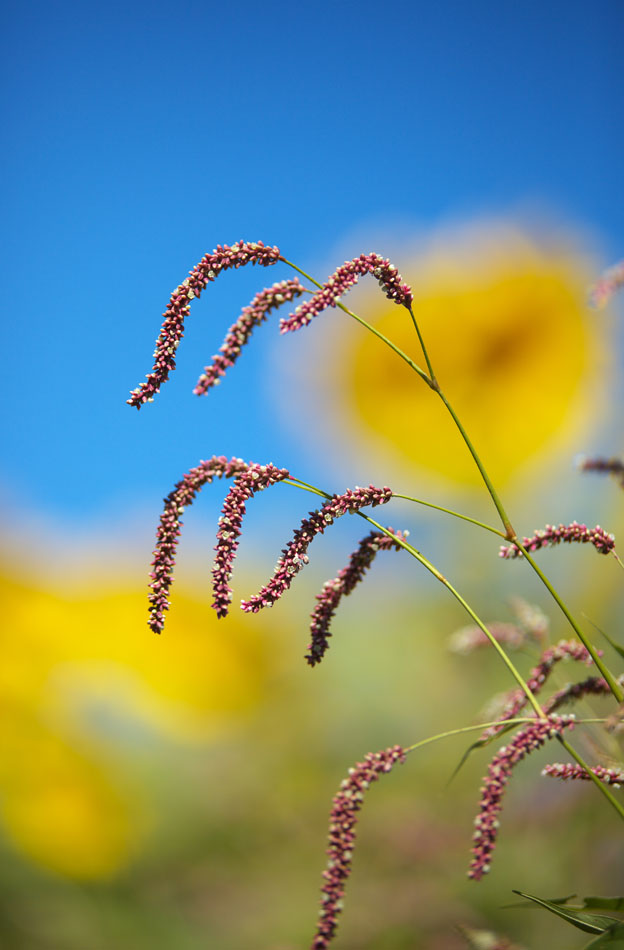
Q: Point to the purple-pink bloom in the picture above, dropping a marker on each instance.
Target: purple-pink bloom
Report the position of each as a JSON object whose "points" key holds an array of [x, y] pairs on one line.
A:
{"points": [[551, 535], [592, 686], [169, 528], [222, 258], [608, 466], [240, 332], [295, 556], [342, 823], [342, 280], [606, 286], [255, 479], [471, 637], [342, 585], [570, 770], [526, 740], [517, 700]]}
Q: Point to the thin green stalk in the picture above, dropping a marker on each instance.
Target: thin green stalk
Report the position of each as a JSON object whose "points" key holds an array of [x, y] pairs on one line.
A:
{"points": [[424, 349], [479, 727], [604, 670], [449, 511], [410, 362]]}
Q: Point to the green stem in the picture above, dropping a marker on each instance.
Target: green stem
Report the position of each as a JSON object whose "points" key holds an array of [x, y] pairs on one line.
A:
{"points": [[519, 720], [410, 362], [449, 511], [424, 349], [510, 534], [605, 672], [443, 580], [601, 785]]}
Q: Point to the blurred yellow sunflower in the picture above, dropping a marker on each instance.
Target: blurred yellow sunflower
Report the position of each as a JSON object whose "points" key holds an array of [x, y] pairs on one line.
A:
{"points": [[88, 695], [505, 320]]}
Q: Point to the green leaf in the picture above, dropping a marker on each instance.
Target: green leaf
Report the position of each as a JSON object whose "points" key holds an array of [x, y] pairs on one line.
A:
{"points": [[589, 923], [603, 903], [613, 939]]}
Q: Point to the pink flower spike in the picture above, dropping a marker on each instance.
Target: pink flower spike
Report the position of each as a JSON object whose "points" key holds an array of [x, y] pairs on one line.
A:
{"points": [[570, 770], [611, 466], [606, 286], [526, 740], [222, 258], [255, 479], [517, 700], [592, 686], [240, 332], [342, 824], [342, 585], [295, 556], [342, 280], [551, 535], [169, 528]]}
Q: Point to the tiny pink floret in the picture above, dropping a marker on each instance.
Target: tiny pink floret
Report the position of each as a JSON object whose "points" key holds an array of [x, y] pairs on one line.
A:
{"points": [[342, 280], [572, 771]]}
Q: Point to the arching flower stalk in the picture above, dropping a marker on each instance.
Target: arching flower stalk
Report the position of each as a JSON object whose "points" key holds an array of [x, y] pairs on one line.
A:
{"points": [[342, 822], [240, 332], [342, 585], [592, 686], [570, 770], [168, 531], [208, 269], [345, 277], [526, 740], [246, 485], [295, 556], [551, 535]]}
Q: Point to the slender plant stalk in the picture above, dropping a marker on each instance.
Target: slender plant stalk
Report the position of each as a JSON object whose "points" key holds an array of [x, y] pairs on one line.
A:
{"points": [[601, 785]]}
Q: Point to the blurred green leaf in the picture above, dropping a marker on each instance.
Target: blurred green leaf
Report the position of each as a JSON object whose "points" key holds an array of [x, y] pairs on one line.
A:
{"points": [[589, 923], [612, 939]]}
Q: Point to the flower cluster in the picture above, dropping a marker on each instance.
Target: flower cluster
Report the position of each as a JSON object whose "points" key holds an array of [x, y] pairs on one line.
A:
{"points": [[342, 585], [570, 770], [295, 556], [551, 535], [526, 740], [239, 333], [343, 820], [611, 466], [254, 479], [222, 258], [169, 528], [517, 700], [471, 637], [607, 285], [592, 686], [342, 280]]}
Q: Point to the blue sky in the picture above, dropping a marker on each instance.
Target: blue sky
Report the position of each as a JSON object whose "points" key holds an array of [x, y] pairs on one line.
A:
{"points": [[141, 135]]}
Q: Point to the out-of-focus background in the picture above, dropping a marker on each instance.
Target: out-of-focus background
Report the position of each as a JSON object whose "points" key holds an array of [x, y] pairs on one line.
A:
{"points": [[174, 791]]}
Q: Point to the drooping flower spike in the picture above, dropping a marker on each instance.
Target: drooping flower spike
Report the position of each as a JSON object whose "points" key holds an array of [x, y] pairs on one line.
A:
{"points": [[470, 638], [168, 531], [240, 332], [295, 556], [526, 740], [342, 585], [551, 535], [222, 258], [606, 286], [570, 770], [342, 823], [611, 466], [592, 686], [246, 485], [342, 280], [517, 699]]}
